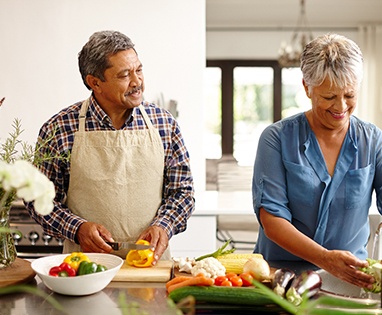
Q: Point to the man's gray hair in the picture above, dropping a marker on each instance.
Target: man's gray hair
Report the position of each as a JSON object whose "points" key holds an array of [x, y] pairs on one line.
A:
{"points": [[334, 57], [93, 59]]}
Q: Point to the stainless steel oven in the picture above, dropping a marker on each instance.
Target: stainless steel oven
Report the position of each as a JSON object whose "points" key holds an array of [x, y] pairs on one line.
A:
{"points": [[33, 242]]}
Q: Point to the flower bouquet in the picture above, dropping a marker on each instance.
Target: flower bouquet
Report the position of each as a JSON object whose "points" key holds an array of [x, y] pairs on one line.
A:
{"points": [[19, 178]]}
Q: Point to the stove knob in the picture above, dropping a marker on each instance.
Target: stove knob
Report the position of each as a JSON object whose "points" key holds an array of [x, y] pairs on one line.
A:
{"points": [[17, 237], [59, 240], [33, 237], [47, 238]]}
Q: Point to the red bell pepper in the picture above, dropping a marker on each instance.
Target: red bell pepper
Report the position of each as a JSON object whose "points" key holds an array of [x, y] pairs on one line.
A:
{"points": [[63, 270]]}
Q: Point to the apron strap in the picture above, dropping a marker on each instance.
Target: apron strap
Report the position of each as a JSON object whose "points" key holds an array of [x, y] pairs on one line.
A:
{"points": [[84, 109], [146, 117]]}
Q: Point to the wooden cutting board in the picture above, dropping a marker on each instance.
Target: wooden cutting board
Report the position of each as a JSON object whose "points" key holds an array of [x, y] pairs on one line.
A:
{"points": [[19, 272], [161, 272]]}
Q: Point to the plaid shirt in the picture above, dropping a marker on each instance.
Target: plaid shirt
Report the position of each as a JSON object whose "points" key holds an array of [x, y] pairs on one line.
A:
{"points": [[178, 191]]}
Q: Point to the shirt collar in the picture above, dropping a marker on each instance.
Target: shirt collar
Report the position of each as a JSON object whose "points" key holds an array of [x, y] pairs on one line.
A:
{"points": [[97, 112]]}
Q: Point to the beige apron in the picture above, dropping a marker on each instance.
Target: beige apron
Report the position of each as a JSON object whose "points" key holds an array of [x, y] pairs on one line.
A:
{"points": [[116, 179]]}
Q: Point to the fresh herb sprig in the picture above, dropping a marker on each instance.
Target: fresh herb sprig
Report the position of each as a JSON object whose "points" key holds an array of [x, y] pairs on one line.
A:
{"points": [[219, 252], [9, 150]]}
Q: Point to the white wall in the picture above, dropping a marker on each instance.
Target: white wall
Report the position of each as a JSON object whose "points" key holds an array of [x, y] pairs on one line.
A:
{"points": [[40, 40]]}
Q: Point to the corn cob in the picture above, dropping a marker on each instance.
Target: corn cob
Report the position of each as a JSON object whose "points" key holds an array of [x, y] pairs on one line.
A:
{"points": [[240, 256], [235, 262]]}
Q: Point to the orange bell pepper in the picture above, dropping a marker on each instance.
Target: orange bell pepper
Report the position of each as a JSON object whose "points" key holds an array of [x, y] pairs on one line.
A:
{"points": [[140, 258]]}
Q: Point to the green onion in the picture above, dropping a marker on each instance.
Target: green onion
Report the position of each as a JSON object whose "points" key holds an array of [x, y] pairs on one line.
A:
{"points": [[220, 251]]}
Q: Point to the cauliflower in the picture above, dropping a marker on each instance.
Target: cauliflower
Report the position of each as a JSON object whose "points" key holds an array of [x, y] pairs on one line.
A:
{"points": [[209, 267], [183, 264]]}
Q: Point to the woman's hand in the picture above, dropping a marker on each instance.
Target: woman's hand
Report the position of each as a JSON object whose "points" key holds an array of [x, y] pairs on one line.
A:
{"points": [[341, 264], [344, 265]]}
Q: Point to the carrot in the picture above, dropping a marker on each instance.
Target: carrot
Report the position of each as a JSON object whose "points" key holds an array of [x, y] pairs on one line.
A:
{"points": [[177, 279], [192, 281]]}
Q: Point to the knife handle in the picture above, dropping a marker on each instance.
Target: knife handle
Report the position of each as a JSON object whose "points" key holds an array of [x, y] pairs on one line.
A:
{"points": [[114, 245]]}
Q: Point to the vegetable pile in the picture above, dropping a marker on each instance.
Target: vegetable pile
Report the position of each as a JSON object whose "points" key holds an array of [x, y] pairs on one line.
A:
{"points": [[226, 277], [231, 262], [247, 281], [76, 264]]}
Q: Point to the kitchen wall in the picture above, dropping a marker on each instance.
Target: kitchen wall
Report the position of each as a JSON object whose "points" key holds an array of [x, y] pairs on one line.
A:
{"points": [[40, 40]]}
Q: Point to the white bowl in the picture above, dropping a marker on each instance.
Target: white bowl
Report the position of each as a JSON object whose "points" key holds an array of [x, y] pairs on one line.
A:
{"points": [[79, 285]]}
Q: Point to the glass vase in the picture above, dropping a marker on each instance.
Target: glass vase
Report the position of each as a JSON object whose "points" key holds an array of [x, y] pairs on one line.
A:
{"points": [[8, 253]]}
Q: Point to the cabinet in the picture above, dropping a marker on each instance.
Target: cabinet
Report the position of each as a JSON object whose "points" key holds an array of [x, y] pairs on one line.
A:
{"points": [[198, 239]]}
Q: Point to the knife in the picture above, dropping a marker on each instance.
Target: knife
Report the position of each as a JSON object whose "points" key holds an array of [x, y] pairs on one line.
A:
{"points": [[128, 245]]}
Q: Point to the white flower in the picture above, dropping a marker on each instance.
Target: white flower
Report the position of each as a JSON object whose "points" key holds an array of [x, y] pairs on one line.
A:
{"points": [[29, 183], [4, 171]]}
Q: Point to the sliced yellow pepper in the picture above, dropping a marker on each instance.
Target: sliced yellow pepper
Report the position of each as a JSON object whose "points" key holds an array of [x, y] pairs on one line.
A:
{"points": [[140, 258], [75, 258]]}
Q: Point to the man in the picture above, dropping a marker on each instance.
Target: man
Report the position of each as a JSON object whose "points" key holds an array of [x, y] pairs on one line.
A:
{"points": [[129, 174]]}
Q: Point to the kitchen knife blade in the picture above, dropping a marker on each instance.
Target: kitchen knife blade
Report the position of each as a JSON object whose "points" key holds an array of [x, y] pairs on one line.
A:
{"points": [[128, 245]]}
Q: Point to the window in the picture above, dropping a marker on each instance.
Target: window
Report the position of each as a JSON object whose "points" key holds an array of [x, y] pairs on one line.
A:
{"points": [[252, 109], [241, 98], [212, 113], [294, 99]]}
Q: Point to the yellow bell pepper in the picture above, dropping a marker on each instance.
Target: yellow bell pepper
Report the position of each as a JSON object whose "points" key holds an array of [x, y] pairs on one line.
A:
{"points": [[75, 258], [140, 258]]}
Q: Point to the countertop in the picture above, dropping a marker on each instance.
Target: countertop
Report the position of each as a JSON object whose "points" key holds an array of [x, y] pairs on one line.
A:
{"points": [[150, 296]]}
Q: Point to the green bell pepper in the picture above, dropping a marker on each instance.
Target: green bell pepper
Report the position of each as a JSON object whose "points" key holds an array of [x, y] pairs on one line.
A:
{"points": [[88, 267]]}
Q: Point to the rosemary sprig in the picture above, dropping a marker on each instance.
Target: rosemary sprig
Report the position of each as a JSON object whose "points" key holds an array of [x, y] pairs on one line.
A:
{"points": [[9, 150]]}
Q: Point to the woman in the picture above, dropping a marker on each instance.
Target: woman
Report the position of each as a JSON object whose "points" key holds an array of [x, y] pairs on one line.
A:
{"points": [[315, 172]]}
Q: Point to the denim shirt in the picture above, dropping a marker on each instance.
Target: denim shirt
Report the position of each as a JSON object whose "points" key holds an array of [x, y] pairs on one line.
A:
{"points": [[291, 181]]}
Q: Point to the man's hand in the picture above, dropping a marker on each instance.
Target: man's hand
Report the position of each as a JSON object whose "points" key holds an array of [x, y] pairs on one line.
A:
{"points": [[92, 236], [158, 239]]}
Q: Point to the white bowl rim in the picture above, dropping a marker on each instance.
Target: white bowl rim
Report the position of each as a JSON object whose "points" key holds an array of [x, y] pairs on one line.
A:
{"points": [[39, 266], [63, 256]]}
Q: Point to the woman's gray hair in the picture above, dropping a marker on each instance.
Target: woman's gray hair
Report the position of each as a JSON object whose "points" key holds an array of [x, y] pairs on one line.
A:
{"points": [[93, 59], [334, 57]]}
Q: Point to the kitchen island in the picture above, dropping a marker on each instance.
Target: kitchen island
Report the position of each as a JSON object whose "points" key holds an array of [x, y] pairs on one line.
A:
{"points": [[151, 298]]}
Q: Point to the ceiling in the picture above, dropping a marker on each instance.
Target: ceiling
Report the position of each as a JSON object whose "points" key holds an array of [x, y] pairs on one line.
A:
{"points": [[283, 14]]}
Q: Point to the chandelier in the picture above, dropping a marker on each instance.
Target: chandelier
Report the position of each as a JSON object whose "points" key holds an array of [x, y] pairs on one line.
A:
{"points": [[289, 54]]}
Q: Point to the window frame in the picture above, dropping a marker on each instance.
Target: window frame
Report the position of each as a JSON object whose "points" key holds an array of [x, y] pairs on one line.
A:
{"points": [[227, 69]]}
